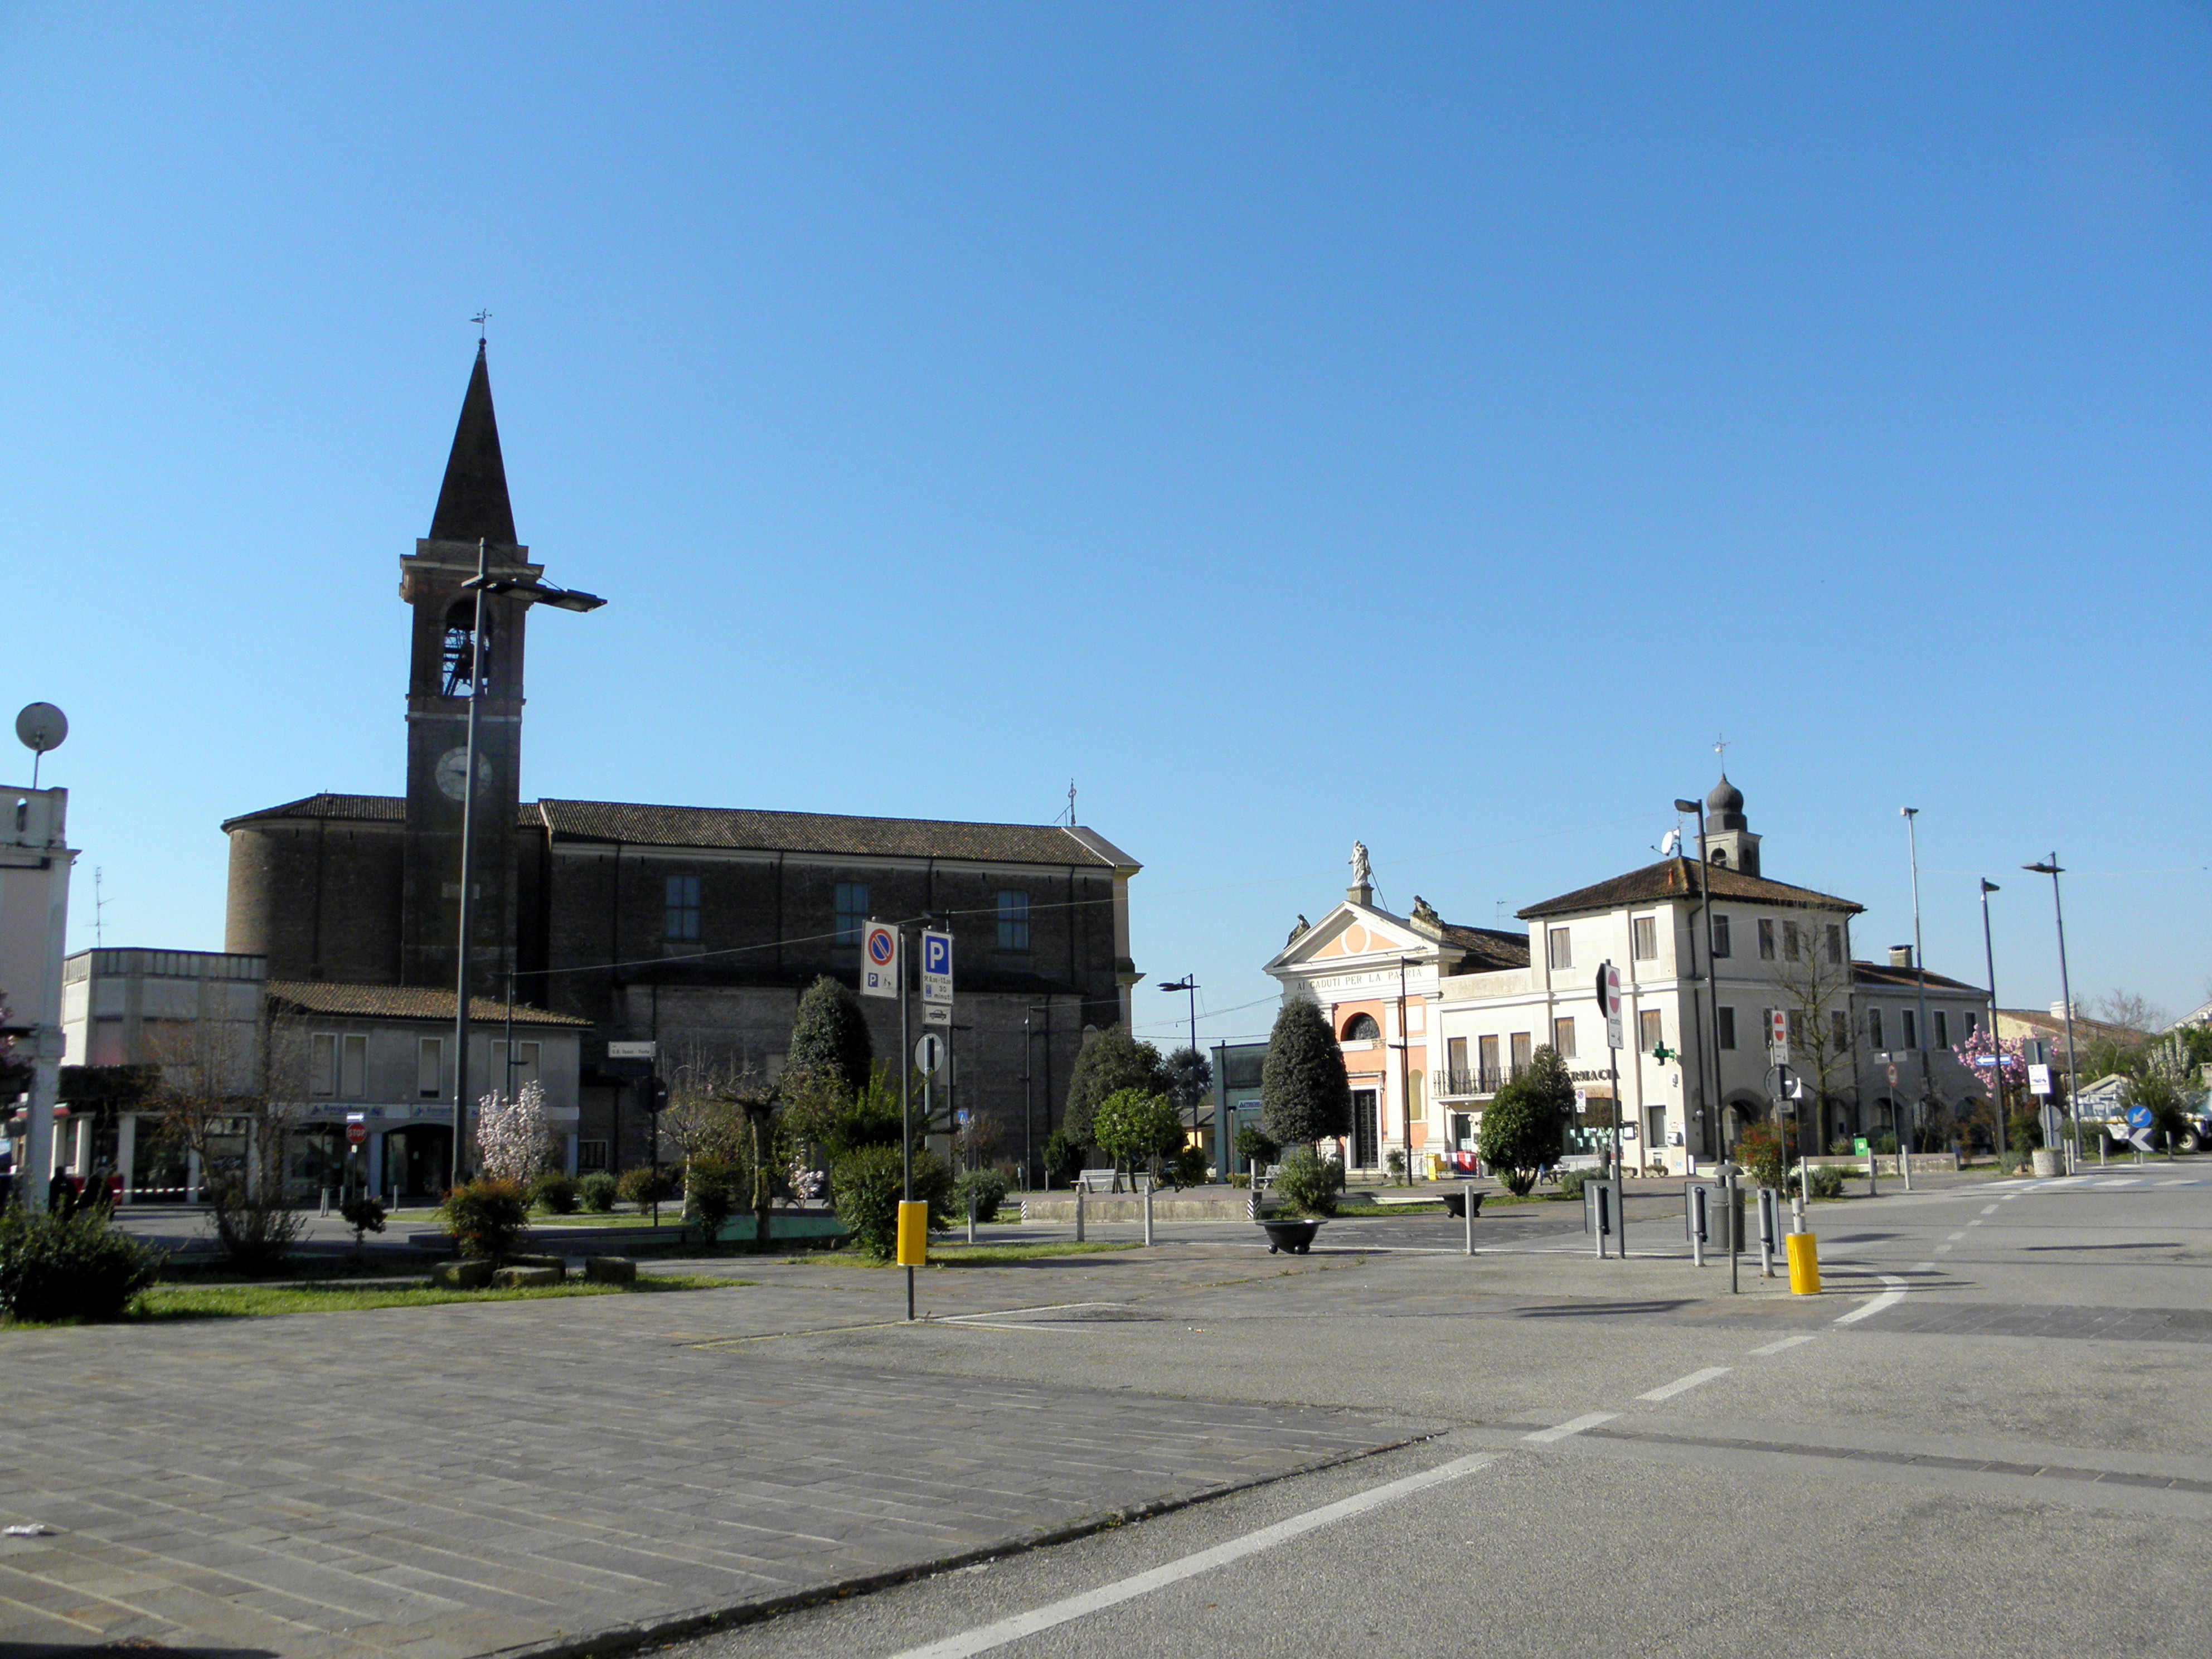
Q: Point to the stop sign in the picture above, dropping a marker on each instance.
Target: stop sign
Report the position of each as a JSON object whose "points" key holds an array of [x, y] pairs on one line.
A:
{"points": [[1893, 1074], [356, 1133]]}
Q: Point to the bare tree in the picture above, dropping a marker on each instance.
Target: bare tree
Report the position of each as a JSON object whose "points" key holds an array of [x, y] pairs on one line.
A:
{"points": [[232, 1093], [1814, 986], [2131, 1011]]}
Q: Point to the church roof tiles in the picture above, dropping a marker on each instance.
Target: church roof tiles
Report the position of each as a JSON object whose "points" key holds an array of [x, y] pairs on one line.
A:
{"points": [[1675, 878]]}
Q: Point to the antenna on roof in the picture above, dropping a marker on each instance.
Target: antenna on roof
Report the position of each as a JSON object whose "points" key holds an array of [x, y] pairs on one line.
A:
{"points": [[480, 319], [99, 903], [1070, 803], [1721, 748]]}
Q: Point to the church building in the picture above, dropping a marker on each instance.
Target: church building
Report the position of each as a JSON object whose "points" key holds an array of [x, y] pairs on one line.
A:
{"points": [[695, 927]]}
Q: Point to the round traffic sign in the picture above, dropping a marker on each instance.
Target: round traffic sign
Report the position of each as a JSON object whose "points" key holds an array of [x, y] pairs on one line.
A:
{"points": [[882, 946], [929, 1053], [356, 1133], [1893, 1074]]}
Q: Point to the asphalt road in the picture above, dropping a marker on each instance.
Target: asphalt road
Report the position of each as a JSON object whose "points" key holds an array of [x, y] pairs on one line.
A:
{"points": [[1989, 1436]]}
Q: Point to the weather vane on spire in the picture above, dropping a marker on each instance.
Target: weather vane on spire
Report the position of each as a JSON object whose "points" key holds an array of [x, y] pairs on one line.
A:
{"points": [[480, 319], [1720, 748]]}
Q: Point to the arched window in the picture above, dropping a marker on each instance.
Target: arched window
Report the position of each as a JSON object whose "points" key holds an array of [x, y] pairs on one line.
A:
{"points": [[460, 647], [1362, 1028]]}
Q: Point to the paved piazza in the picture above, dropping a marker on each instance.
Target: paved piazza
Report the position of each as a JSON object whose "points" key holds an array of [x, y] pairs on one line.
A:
{"points": [[1988, 1435]]}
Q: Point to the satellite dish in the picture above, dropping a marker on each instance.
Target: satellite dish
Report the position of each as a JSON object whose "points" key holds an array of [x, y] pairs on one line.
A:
{"points": [[41, 726], [1670, 844]]}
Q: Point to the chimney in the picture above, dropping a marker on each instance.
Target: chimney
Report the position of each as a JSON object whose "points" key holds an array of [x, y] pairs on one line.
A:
{"points": [[1900, 956], [2058, 1011]]}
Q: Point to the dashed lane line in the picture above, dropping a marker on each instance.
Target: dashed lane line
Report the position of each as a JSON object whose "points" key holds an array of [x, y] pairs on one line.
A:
{"points": [[1785, 1344], [1889, 1298], [1684, 1384], [997, 1634]]}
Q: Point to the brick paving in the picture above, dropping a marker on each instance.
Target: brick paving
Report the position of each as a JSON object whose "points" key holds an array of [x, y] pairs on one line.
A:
{"points": [[445, 1482]]}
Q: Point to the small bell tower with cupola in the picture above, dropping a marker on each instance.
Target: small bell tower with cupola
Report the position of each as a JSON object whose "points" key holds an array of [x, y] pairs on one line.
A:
{"points": [[445, 671], [1728, 840]]}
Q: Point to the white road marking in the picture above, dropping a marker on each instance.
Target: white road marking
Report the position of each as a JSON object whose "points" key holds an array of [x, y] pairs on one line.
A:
{"points": [[1955, 1238], [1923, 1267], [1991, 1209], [1941, 1250], [993, 1325], [1889, 1298], [1974, 1223], [1573, 1425], [1684, 1384], [2177, 1183], [1777, 1347], [1000, 1631]]}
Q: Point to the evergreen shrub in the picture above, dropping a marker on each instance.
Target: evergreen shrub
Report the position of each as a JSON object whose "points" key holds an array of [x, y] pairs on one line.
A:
{"points": [[1304, 1095], [1308, 1184], [598, 1192], [486, 1218], [74, 1267], [555, 1192], [1827, 1182], [866, 1184], [639, 1185], [715, 1189], [987, 1188]]}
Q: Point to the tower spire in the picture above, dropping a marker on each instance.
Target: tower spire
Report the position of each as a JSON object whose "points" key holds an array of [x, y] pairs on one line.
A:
{"points": [[472, 504]]}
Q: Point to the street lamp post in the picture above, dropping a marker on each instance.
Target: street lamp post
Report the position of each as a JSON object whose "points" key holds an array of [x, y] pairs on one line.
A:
{"points": [[2052, 868], [528, 593], [1405, 1073], [1911, 816], [1189, 984], [1712, 967], [1996, 1054]]}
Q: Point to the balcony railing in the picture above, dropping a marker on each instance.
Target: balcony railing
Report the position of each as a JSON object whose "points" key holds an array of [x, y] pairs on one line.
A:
{"points": [[1467, 1082]]}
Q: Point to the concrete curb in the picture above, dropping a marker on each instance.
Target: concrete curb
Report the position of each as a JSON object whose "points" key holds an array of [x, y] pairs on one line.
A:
{"points": [[693, 1621]]}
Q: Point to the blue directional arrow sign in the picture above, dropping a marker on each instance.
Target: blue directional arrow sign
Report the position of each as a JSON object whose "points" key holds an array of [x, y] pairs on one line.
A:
{"points": [[2139, 1117]]}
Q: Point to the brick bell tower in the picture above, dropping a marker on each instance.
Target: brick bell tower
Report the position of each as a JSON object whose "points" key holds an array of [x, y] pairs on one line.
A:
{"points": [[442, 676]]}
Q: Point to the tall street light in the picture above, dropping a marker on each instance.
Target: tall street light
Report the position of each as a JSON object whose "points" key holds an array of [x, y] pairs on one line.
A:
{"points": [[1911, 816], [1712, 967], [2052, 868], [1405, 1073], [528, 593], [1189, 983], [1996, 1054]]}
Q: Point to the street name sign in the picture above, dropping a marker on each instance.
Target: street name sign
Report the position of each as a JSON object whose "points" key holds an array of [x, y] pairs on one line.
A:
{"points": [[880, 960], [2038, 1080], [633, 1051]]}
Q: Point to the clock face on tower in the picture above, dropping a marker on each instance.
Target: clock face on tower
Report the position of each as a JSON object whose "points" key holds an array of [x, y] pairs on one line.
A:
{"points": [[453, 767]]}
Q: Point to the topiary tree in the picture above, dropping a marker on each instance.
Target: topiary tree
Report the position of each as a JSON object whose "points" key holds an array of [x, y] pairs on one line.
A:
{"points": [[1108, 1060], [829, 1039], [1523, 1128], [1304, 1096], [1257, 1147], [1131, 1125], [1308, 1184]]}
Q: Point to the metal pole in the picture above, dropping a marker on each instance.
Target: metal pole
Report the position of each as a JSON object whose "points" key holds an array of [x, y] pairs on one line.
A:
{"points": [[1620, 1184], [1996, 1052], [1467, 1197], [459, 1159], [1712, 983], [906, 1101], [1148, 1215], [1405, 1077], [1029, 1154], [1920, 979], [2066, 990]]}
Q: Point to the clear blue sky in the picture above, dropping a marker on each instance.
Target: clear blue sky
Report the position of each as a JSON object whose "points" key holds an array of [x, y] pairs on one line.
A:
{"points": [[1431, 425]]}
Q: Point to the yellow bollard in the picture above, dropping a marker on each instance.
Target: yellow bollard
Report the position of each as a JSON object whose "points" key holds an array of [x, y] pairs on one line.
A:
{"points": [[913, 1234], [1804, 1264]]}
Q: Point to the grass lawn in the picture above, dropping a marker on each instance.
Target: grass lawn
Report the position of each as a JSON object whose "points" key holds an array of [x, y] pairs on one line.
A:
{"points": [[166, 1301]]}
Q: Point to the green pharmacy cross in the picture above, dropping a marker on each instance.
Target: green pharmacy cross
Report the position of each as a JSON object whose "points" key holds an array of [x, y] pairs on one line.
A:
{"points": [[1663, 1053]]}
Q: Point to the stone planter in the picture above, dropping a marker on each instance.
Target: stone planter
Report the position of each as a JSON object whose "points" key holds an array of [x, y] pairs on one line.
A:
{"points": [[1296, 1236], [2046, 1162]]}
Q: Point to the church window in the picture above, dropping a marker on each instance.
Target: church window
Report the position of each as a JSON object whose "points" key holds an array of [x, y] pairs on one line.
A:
{"points": [[1835, 942], [1558, 944], [1013, 920], [852, 911], [1362, 1028], [683, 907], [1563, 1037], [1646, 940], [1720, 857], [1766, 940], [1721, 946], [460, 649], [1724, 1023], [430, 1068]]}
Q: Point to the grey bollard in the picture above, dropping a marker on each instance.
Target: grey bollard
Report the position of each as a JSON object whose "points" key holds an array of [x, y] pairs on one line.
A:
{"points": [[1466, 1198], [1148, 1214], [1080, 1190], [971, 1216]]}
